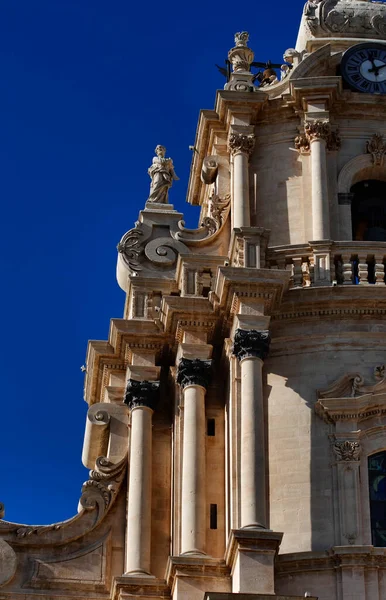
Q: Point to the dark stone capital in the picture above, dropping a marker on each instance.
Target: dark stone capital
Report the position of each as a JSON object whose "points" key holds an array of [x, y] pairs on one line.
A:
{"points": [[345, 199], [251, 343], [194, 372], [142, 393]]}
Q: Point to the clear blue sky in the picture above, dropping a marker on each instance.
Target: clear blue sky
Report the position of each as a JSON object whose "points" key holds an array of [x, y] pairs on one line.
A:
{"points": [[87, 90]]}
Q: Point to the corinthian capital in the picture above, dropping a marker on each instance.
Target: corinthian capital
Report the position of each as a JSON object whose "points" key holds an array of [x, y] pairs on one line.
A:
{"points": [[317, 130], [142, 393], [347, 451], [194, 372], [251, 343], [240, 142]]}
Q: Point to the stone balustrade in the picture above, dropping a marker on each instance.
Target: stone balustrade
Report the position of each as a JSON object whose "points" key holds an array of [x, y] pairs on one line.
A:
{"points": [[331, 263]]}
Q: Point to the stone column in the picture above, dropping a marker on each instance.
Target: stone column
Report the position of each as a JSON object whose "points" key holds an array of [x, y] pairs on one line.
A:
{"points": [[251, 348], [317, 134], [241, 146], [347, 456], [141, 397], [193, 376]]}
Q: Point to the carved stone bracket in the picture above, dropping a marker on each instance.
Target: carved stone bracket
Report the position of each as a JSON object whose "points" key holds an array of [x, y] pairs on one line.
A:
{"points": [[377, 148], [347, 451], [142, 393], [194, 372], [239, 142], [251, 343]]}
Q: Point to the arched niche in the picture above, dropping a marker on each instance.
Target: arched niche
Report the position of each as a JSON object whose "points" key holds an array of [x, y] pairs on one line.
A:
{"points": [[360, 168]]}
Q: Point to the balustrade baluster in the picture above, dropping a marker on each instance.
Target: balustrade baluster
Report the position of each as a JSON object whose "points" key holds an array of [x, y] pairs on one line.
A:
{"points": [[379, 270], [347, 268], [363, 270]]}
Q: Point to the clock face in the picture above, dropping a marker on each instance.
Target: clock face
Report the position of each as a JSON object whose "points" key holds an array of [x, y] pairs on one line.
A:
{"points": [[364, 68]]}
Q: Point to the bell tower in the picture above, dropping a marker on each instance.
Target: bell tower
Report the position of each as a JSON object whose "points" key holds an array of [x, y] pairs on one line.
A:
{"points": [[236, 425]]}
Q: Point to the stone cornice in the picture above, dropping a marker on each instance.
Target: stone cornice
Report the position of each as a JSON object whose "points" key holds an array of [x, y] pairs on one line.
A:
{"points": [[201, 566], [338, 556]]}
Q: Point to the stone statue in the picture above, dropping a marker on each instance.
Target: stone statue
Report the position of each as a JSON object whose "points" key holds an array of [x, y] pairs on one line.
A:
{"points": [[162, 175]]}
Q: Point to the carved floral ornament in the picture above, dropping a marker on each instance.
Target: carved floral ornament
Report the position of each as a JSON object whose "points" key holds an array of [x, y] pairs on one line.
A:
{"points": [[251, 343], [347, 451], [239, 142], [377, 148], [194, 372], [318, 130]]}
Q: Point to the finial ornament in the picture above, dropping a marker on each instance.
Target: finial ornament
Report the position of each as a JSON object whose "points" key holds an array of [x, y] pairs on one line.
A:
{"points": [[162, 175], [242, 38]]}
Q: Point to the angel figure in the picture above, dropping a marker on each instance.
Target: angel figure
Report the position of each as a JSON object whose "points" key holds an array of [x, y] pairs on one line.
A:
{"points": [[162, 176]]}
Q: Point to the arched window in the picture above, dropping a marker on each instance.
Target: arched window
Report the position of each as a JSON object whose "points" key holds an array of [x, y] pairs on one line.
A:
{"points": [[377, 485], [368, 211]]}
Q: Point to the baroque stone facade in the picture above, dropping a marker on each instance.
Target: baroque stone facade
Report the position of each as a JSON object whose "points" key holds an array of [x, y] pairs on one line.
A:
{"points": [[236, 425]]}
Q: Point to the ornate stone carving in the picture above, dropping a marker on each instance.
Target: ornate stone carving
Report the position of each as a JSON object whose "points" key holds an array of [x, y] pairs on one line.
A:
{"points": [[347, 451], [315, 130], [142, 393], [377, 148], [238, 142], [251, 343], [8, 563], [211, 225], [103, 484], [194, 372], [241, 57], [339, 18], [302, 144], [162, 176], [334, 141]]}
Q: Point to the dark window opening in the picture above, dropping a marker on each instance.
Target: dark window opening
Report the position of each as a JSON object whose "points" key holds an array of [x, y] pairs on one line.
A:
{"points": [[213, 516], [368, 211], [211, 427], [377, 487]]}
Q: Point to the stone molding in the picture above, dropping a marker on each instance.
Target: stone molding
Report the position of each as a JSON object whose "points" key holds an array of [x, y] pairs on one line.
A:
{"points": [[142, 393], [345, 199], [251, 343], [347, 451], [239, 142], [194, 372]]}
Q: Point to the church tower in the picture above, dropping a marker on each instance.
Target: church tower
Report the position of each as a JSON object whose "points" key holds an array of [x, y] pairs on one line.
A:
{"points": [[236, 430]]}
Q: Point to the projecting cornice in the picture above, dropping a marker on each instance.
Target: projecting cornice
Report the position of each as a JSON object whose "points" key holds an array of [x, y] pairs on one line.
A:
{"points": [[126, 337]]}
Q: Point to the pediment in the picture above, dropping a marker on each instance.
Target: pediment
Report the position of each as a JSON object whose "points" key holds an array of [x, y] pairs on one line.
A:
{"points": [[349, 398]]}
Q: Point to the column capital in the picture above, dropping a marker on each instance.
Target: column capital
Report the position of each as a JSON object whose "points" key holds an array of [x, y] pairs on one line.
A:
{"points": [[317, 130], [241, 142], [347, 451], [251, 343], [141, 393], [194, 372]]}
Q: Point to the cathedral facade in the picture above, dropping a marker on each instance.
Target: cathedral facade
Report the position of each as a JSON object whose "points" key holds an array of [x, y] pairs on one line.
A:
{"points": [[236, 430]]}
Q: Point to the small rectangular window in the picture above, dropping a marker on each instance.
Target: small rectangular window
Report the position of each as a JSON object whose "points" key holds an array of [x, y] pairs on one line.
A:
{"points": [[211, 427], [213, 516]]}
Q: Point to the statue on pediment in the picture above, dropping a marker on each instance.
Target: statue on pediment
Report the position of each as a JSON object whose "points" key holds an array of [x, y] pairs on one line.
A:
{"points": [[162, 175]]}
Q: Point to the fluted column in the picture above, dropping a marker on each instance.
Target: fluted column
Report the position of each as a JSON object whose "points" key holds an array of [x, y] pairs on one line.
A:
{"points": [[251, 348], [318, 134], [241, 147], [141, 398], [193, 376]]}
